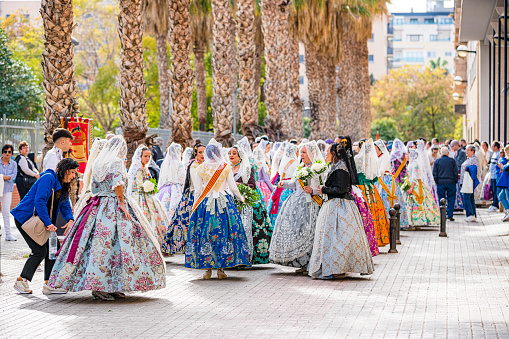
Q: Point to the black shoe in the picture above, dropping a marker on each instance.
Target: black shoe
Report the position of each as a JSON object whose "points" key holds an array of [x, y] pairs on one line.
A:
{"points": [[450, 219]]}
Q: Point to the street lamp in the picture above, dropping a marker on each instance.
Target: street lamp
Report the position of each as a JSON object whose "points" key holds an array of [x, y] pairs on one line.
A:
{"points": [[499, 41], [456, 96], [463, 51], [459, 80]]}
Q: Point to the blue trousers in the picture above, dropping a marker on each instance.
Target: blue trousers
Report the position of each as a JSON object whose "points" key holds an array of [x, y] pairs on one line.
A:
{"points": [[469, 202], [503, 196], [448, 191], [494, 191]]}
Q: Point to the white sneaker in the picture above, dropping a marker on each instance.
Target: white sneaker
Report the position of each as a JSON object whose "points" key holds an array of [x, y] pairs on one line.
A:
{"points": [[470, 219], [506, 217], [10, 238], [50, 290], [492, 209], [22, 287]]}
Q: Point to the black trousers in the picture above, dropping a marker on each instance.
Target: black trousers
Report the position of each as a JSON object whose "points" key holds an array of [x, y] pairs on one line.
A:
{"points": [[22, 190], [39, 253]]}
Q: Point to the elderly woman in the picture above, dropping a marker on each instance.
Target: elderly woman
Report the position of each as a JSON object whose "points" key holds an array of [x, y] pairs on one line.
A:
{"points": [[27, 171], [469, 179], [8, 170]]}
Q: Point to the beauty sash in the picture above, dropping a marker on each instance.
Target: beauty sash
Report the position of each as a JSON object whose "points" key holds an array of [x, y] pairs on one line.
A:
{"points": [[391, 194], [419, 197], [316, 198], [400, 168], [208, 188]]}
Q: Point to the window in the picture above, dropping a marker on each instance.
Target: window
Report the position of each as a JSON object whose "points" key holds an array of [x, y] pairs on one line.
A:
{"points": [[414, 38], [433, 37], [301, 79], [414, 21], [432, 54], [371, 58], [429, 21], [372, 37], [301, 58], [448, 54], [445, 21], [399, 21], [414, 56]]}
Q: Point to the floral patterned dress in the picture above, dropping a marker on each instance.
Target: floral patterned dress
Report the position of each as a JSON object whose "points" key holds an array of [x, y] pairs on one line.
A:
{"points": [[150, 205], [169, 196], [105, 251], [391, 194], [216, 237], [421, 206], [367, 220]]}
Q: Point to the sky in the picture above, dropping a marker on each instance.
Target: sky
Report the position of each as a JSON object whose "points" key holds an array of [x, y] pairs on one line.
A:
{"points": [[397, 6]]}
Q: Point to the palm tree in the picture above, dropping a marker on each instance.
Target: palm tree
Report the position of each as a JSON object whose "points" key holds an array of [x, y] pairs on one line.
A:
{"points": [[59, 81], [156, 23], [246, 56], [222, 93], [181, 74], [295, 123], [438, 64], [313, 75], [201, 29], [133, 110]]}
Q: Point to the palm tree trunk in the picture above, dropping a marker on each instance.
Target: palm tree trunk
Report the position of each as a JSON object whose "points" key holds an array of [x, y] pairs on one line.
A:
{"points": [[133, 110], [312, 73], [234, 69], [284, 65], [246, 55], [59, 81], [181, 74], [323, 110], [295, 118], [164, 85], [222, 104], [364, 86], [331, 100], [258, 61], [201, 86], [272, 84]]}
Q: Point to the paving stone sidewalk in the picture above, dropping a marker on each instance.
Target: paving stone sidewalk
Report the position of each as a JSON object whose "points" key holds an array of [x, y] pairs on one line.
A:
{"points": [[455, 287]]}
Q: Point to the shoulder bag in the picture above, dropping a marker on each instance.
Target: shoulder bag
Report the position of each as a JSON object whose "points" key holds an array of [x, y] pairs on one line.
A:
{"points": [[36, 229]]}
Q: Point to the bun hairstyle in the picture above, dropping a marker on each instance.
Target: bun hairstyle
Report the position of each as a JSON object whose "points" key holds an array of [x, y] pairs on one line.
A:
{"points": [[346, 142], [195, 149]]}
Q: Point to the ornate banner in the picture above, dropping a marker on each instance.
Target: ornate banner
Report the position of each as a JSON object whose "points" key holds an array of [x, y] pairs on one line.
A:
{"points": [[81, 129]]}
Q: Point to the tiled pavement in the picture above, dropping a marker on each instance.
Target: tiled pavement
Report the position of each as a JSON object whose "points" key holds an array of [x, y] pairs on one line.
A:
{"points": [[434, 287]]}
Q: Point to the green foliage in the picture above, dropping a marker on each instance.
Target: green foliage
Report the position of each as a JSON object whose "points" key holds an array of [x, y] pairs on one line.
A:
{"points": [[386, 128], [152, 80], [458, 129], [306, 127], [419, 101], [20, 92]]}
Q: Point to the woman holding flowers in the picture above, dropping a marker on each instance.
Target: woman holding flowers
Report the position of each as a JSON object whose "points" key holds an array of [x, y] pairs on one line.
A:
{"points": [[215, 238], [260, 227], [340, 244], [292, 240], [175, 238], [142, 188]]}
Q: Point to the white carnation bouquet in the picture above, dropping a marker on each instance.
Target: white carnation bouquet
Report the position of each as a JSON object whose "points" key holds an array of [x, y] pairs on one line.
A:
{"points": [[303, 173], [319, 167], [150, 186]]}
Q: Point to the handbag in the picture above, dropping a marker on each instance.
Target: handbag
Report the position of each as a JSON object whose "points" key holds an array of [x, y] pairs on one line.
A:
{"points": [[29, 181], [468, 184], [36, 229]]}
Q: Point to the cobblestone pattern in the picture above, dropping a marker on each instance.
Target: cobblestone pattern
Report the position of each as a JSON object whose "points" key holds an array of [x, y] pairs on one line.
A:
{"points": [[453, 287]]}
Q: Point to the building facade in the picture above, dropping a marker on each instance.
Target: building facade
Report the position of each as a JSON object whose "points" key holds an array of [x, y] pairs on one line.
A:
{"points": [[380, 47], [423, 37], [29, 8]]}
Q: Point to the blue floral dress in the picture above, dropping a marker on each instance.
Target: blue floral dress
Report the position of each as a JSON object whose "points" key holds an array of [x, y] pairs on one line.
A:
{"points": [[105, 251], [216, 236]]}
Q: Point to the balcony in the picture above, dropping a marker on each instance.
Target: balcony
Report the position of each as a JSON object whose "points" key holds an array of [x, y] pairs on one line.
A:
{"points": [[390, 29], [390, 51]]}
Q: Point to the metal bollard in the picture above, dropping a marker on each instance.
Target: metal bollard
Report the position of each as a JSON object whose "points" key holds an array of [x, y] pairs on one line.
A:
{"points": [[397, 207], [443, 217], [393, 222]]}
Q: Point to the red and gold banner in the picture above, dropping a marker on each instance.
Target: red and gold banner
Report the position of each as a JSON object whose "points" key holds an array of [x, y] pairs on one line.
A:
{"points": [[81, 129]]}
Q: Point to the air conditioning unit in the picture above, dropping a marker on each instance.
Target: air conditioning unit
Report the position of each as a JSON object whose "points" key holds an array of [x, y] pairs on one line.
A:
{"points": [[460, 109]]}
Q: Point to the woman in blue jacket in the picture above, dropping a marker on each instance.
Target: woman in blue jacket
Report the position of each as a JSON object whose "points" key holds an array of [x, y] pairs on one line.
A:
{"points": [[503, 183], [39, 199]]}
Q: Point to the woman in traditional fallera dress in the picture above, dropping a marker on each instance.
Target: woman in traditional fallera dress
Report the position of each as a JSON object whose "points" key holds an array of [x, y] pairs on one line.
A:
{"points": [[171, 179], [292, 239], [366, 163], [216, 238], [86, 193], [422, 209], [288, 165], [143, 192], [261, 161], [340, 244], [110, 248], [175, 238], [389, 190], [360, 200], [261, 228], [399, 160]]}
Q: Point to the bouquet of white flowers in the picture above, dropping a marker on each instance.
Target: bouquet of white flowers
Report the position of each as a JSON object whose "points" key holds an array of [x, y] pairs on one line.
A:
{"points": [[149, 186], [303, 173]]}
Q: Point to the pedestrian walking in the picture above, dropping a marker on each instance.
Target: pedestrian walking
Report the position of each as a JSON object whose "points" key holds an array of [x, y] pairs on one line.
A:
{"points": [[503, 183], [469, 179], [494, 169], [445, 173], [49, 195], [8, 169], [27, 171], [62, 142]]}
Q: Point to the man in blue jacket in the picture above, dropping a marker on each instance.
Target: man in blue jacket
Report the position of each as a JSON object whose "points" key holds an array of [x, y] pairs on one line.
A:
{"points": [[445, 173]]}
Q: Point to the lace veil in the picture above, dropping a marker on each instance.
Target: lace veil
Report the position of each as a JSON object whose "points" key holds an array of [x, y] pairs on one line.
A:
{"points": [[187, 156], [367, 161], [398, 150], [135, 166], [384, 160], [97, 147], [425, 166], [110, 159], [276, 159], [245, 165], [172, 169], [285, 168]]}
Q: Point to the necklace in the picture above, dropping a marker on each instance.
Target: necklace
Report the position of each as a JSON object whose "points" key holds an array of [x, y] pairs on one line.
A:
{"points": [[235, 166]]}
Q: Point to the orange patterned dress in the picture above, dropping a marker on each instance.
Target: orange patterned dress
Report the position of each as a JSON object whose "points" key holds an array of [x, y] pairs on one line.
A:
{"points": [[377, 209]]}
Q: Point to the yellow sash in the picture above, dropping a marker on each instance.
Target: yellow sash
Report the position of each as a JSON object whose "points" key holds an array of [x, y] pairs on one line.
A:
{"points": [[400, 168], [208, 188], [391, 194], [419, 197], [316, 198]]}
